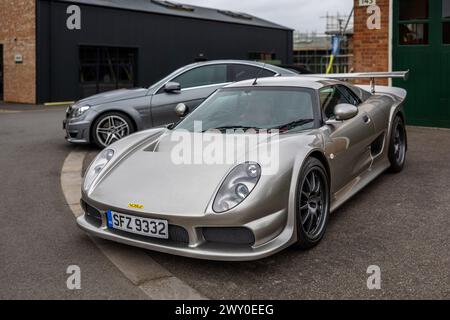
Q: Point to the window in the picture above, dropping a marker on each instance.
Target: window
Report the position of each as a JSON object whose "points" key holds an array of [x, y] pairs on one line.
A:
{"points": [[202, 76], [173, 5], [446, 9], [242, 72], [259, 107], [237, 15], [262, 56], [106, 68], [446, 22], [411, 31], [413, 9], [330, 97], [446, 32], [349, 95]]}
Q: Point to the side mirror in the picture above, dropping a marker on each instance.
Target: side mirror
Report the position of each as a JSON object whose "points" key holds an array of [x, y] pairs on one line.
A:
{"points": [[181, 110], [172, 87], [345, 111]]}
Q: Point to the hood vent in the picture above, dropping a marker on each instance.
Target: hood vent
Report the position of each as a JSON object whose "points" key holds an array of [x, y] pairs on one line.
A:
{"points": [[153, 147]]}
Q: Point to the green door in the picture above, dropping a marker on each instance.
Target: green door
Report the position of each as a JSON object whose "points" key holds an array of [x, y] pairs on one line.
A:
{"points": [[422, 44]]}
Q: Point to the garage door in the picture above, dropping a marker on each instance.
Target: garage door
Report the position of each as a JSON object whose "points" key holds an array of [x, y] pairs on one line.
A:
{"points": [[422, 44]]}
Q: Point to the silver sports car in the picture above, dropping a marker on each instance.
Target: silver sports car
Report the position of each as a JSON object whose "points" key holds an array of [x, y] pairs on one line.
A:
{"points": [[175, 190], [107, 117]]}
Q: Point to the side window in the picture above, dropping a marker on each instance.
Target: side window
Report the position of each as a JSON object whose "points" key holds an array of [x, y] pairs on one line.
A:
{"points": [[349, 95], [330, 97], [202, 76], [242, 72]]}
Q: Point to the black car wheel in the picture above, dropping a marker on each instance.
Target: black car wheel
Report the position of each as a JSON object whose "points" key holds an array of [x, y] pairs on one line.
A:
{"points": [[111, 127], [397, 146], [312, 203]]}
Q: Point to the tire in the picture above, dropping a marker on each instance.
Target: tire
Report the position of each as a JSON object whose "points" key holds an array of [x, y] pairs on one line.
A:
{"points": [[397, 146], [111, 127], [312, 201]]}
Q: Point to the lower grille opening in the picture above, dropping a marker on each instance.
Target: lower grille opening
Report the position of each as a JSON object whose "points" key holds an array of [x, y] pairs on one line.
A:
{"points": [[73, 135], [178, 234], [242, 236], [93, 216]]}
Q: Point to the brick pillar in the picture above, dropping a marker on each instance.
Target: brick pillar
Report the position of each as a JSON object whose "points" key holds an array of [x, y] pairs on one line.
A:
{"points": [[371, 47], [18, 36]]}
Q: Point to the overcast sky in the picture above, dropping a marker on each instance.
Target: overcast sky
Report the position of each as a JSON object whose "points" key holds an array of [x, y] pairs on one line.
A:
{"points": [[303, 15]]}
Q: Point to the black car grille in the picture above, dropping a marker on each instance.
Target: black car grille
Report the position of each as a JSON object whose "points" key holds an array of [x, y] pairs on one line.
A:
{"points": [[239, 236], [178, 234], [93, 216]]}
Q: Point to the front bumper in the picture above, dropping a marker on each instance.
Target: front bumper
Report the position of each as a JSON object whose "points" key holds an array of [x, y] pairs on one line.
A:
{"points": [[271, 234], [77, 131]]}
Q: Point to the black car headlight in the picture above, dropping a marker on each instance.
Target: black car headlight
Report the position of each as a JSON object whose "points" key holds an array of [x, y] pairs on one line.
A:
{"points": [[237, 186]]}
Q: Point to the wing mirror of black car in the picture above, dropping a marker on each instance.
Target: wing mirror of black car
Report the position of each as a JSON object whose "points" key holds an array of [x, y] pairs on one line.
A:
{"points": [[345, 111], [181, 110], [172, 87]]}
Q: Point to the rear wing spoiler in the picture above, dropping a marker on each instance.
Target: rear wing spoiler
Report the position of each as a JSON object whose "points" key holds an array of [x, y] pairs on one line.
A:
{"points": [[367, 75]]}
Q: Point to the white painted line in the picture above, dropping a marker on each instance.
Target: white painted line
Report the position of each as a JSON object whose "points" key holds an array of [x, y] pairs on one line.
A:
{"points": [[137, 266]]}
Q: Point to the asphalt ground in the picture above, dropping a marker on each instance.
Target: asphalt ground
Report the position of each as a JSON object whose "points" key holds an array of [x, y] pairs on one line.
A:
{"points": [[39, 239], [399, 223]]}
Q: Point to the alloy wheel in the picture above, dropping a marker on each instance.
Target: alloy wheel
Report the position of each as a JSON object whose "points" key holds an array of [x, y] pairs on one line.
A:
{"points": [[313, 203], [111, 129], [399, 144]]}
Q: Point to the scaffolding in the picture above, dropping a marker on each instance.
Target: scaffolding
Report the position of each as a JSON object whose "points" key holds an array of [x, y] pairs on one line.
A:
{"points": [[313, 50]]}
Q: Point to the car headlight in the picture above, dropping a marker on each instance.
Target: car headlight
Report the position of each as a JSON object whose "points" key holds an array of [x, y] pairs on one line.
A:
{"points": [[237, 186], [78, 112], [96, 167]]}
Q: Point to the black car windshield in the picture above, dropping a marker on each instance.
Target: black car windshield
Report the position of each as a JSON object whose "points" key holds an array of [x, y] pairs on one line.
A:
{"points": [[280, 108]]}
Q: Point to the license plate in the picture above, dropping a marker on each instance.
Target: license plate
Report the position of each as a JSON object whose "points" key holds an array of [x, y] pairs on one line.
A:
{"points": [[143, 226], [64, 124]]}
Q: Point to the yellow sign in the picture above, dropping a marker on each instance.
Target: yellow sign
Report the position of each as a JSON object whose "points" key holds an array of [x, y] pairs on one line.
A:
{"points": [[136, 206]]}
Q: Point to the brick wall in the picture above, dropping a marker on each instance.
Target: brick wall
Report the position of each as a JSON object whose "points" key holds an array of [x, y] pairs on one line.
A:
{"points": [[18, 36], [371, 47]]}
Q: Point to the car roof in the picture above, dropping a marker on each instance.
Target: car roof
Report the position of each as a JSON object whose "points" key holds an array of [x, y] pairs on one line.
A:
{"points": [[272, 67], [312, 82]]}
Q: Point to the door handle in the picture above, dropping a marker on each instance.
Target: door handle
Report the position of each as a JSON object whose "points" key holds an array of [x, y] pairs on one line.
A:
{"points": [[366, 119]]}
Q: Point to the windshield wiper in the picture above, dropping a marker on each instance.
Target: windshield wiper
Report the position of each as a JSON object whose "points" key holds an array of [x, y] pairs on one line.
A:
{"points": [[233, 128], [294, 124]]}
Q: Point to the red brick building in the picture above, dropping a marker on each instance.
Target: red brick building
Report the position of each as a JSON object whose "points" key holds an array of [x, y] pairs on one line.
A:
{"points": [[371, 47], [18, 47], [412, 35]]}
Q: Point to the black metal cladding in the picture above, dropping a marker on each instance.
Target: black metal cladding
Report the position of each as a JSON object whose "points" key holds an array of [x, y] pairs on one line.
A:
{"points": [[162, 43]]}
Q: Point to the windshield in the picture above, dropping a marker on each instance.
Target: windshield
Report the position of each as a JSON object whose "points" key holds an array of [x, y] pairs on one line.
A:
{"points": [[285, 109]]}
